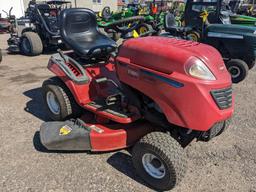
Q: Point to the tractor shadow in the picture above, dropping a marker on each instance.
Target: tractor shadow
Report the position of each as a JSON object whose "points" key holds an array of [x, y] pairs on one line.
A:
{"points": [[36, 106], [123, 163], [37, 143]]}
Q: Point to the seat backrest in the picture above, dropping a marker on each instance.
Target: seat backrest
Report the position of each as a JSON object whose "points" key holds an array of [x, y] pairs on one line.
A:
{"points": [[169, 21], [44, 8], [76, 22], [79, 30], [48, 18]]}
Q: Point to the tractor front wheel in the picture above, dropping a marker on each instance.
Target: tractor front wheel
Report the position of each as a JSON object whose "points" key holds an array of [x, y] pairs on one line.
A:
{"points": [[238, 70], [193, 36], [159, 160]]}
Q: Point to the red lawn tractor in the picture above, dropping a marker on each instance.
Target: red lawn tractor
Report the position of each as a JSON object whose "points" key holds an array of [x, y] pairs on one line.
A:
{"points": [[154, 94]]}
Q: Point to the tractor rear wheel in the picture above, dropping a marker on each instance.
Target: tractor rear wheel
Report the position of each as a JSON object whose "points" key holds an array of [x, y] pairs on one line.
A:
{"points": [[31, 44], [159, 160], [238, 70], [60, 102]]}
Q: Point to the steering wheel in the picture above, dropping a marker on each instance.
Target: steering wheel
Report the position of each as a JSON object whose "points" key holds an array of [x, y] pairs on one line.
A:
{"points": [[106, 13], [126, 25]]}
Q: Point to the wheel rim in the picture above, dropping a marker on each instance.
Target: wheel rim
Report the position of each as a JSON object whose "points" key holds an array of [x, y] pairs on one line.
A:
{"points": [[143, 30], [234, 71], [26, 45], [52, 103], [193, 37], [153, 166]]}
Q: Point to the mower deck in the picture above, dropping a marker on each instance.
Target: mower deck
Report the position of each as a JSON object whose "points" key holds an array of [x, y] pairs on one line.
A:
{"points": [[89, 135]]}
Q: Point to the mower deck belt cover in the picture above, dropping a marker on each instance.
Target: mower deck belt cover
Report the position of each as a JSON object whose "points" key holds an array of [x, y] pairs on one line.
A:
{"points": [[66, 136]]}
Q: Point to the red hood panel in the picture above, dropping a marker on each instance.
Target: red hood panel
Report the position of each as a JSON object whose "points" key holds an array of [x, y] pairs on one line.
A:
{"points": [[169, 55]]}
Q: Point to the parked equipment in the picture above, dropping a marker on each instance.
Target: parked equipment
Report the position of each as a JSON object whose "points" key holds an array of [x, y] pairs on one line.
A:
{"points": [[235, 17], [149, 17], [234, 42], [39, 30], [1, 55], [248, 8], [156, 101], [6, 24]]}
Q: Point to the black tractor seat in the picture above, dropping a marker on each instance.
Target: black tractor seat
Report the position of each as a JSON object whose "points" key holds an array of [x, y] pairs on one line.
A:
{"points": [[79, 30], [171, 26]]}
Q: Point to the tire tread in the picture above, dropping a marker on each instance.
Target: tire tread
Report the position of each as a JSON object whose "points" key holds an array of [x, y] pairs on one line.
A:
{"points": [[167, 147], [71, 108]]}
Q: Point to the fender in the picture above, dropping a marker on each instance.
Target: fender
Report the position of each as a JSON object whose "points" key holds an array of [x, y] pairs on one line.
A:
{"points": [[73, 75]]}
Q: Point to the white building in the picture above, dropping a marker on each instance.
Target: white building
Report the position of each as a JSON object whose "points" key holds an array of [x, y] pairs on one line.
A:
{"points": [[96, 5], [19, 6]]}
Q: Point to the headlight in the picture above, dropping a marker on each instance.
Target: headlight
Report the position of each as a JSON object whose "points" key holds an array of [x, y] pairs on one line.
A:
{"points": [[196, 68]]}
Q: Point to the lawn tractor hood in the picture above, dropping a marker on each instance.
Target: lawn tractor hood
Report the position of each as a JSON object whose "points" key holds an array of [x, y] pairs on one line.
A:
{"points": [[171, 55], [168, 70]]}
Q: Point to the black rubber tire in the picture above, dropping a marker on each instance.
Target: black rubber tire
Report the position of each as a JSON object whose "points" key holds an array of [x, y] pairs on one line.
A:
{"points": [[169, 151], [106, 13], [251, 64], [1, 55], [145, 26], [68, 106], [35, 44], [193, 36], [239, 66]]}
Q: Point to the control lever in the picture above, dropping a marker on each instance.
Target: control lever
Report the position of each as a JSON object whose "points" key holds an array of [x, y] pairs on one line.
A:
{"points": [[62, 55]]}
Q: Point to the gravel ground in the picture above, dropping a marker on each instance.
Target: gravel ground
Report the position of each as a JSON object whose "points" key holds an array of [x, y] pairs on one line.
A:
{"points": [[227, 163]]}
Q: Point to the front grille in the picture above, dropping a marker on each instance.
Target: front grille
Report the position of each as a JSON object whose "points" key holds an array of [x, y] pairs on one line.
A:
{"points": [[223, 98]]}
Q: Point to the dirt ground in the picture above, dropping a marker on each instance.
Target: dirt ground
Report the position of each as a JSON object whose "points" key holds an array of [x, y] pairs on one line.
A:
{"points": [[227, 163]]}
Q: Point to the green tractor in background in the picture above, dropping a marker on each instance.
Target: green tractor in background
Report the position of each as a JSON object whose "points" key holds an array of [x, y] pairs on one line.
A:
{"points": [[116, 24], [243, 20], [220, 7], [106, 16], [235, 17], [149, 17], [205, 23], [242, 8]]}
